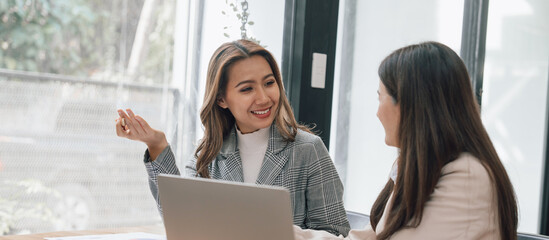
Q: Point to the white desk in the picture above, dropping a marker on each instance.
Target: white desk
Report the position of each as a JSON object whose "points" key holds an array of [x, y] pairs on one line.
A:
{"points": [[155, 229]]}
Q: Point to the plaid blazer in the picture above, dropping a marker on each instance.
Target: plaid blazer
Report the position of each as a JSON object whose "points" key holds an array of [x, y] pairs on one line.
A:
{"points": [[303, 166]]}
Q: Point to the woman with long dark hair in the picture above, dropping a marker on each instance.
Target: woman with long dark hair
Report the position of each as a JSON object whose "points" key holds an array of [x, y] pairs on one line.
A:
{"points": [[251, 135], [448, 181]]}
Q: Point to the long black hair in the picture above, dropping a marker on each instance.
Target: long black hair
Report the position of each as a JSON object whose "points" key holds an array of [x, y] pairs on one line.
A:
{"points": [[439, 119]]}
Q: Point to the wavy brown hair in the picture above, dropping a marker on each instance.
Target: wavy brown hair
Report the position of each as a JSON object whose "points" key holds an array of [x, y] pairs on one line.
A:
{"points": [[439, 119], [217, 121]]}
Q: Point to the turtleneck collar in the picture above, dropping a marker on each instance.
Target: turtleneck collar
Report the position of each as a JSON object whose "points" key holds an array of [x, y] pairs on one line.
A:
{"points": [[254, 141]]}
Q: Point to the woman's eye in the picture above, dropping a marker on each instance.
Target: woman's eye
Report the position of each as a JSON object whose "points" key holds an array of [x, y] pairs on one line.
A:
{"points": [[246, 89], [269, 83]]}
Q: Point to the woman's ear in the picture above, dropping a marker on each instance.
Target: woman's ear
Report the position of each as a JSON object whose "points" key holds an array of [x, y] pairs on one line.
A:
{"points": [[221, 102]]}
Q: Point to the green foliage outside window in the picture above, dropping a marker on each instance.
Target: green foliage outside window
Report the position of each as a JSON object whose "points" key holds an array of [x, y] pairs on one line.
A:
{"points": [[85, 38], [47, 36]]}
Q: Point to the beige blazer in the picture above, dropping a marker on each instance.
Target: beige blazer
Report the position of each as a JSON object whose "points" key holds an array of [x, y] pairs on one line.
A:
{"points": [[461, 207]]}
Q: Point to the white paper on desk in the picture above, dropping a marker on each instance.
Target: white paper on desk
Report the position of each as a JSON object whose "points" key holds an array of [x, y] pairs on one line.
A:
{"points": [[117, 236]]}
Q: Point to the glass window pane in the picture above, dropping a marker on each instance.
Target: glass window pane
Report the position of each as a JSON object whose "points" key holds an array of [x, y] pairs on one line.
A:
{"points": [[514, 107], [65, 67], [381, 27]]}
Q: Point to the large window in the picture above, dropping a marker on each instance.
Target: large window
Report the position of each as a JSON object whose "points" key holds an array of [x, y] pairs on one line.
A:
{"points": [[379, 27], [516, 75], [514, 107], [66, 66]]}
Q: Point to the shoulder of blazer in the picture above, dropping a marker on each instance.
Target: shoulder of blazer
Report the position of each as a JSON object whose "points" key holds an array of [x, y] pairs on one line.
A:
{"points": [[306, 137], [301, 138], [466, 162]]}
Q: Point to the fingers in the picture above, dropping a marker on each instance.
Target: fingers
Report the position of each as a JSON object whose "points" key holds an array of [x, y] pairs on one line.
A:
{"points": [[136, 121], [126, 124], [133, 123], [144, 125], [134, 127], [122, 120], [122, 114], [130, 112], [122, 123], [121, 130], [129, 121]]}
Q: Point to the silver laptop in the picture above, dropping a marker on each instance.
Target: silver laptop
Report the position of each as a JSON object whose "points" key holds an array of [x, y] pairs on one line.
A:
{"points": [[204, 209]]}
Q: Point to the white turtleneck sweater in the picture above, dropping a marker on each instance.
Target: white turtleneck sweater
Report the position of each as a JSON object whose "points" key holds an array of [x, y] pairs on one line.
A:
{"points": [[252, 147]]}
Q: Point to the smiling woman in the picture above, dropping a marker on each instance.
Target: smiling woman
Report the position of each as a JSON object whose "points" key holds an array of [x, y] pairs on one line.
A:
{"points": [[252, 94], [251, 135]]}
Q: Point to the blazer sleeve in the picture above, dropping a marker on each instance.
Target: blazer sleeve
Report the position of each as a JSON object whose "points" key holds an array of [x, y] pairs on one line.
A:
{"points": [[324, 193], [164, 163]]}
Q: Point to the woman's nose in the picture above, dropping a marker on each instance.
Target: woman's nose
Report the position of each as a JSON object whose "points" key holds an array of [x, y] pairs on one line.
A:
{"points": [[261, 97]]}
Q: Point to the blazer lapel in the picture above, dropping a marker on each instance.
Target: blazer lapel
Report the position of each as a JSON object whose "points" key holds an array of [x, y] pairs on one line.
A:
{"points": [[271, 168], [231, 166], [274, 159]]}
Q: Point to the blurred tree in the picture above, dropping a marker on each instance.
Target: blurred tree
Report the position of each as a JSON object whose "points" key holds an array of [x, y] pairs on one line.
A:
{"points": [[46, 36], [87, 38]]}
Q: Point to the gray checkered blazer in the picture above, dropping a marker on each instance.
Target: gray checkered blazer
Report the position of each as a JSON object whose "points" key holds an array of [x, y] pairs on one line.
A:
{"points": [[303, 166]]}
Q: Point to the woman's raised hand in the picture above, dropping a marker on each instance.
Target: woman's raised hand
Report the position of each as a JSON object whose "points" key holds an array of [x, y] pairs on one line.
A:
{"points": [[134, 127]]}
